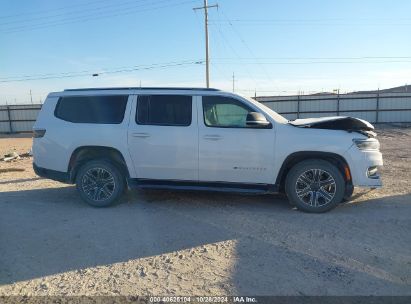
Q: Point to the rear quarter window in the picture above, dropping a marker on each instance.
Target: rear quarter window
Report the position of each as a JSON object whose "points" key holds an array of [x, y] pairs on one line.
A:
{"points": [[92, 109]]}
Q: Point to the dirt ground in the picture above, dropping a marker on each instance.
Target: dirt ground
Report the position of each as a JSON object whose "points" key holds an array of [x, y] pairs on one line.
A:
{"points": [[193, 243]]}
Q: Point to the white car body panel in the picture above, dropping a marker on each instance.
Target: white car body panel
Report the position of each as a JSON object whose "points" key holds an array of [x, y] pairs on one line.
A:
{"points": [[164, 152], [183, 153], [62, 138], [294, 140], [359, 162], [238, 155]]}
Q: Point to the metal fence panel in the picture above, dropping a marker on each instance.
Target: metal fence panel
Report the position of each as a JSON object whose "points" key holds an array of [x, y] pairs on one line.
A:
{"points": [[318, 105], [358, 104], [4, 127], [22, 126], [283, 106], [374, 107], [368, 116], [361, 96], [377, 107], [18, 118], [4, 115], [24, 114], [271, 98], [310, 115], [290, 116], [394, 116], [395, 103]]}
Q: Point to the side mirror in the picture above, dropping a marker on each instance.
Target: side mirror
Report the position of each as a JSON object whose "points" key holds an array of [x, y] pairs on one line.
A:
{"points": [[257, 120]]}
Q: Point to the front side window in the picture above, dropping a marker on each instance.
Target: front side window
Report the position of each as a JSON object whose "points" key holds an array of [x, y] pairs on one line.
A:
{"points": [[92, 109], [224, 112], [164, 110]]}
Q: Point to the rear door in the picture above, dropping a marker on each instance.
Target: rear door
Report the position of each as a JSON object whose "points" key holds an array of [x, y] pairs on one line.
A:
{"points": [[231, 151], [163, 137]]}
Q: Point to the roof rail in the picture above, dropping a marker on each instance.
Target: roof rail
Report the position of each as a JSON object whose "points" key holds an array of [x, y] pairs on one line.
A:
{"points": [[143, 88]]}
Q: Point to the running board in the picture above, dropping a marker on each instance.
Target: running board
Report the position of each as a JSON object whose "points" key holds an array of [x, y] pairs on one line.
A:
{"points": [[202, 186]]}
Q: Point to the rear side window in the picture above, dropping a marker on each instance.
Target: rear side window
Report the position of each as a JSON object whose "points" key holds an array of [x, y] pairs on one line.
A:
{"points": [[164, 110], [92, 109]]}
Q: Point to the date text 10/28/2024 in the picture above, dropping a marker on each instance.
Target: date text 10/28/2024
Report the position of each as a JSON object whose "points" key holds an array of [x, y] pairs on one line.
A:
{"points": [[202, 299]]}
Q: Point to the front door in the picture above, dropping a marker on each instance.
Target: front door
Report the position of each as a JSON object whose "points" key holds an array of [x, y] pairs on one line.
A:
{"points": [[229, 150], [163, 137]]}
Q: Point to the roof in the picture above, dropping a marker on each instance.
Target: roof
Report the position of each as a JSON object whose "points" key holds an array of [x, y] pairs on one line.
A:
{"points": [[142, 88]]}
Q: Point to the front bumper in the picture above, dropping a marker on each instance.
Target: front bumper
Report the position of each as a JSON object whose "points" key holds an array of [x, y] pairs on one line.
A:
{"points": [[362, 164]]}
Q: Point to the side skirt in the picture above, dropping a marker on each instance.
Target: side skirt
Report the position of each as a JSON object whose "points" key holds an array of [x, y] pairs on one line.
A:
{"points": [[202, 186]]}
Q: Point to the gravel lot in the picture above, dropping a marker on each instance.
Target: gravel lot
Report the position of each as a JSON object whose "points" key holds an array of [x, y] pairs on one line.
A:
{"points": [[192, 243]]}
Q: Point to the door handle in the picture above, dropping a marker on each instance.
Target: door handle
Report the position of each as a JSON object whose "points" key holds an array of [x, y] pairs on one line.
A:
{"points": [[213, 137], [140, 135]]}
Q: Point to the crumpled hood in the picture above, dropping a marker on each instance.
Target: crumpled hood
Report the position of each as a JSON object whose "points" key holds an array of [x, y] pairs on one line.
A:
{"points": [[334, 123]]}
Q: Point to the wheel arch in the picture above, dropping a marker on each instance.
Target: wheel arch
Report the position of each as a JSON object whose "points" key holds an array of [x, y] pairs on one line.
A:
{"points": [[87, 153], [297, 157]]}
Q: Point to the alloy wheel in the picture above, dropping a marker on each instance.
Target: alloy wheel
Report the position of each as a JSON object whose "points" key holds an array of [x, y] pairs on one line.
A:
{"points": [[98, 184], [315, 187]]}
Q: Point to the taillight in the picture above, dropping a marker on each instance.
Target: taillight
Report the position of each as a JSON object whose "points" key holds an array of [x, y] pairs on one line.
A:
{"points": [[38, 133]]}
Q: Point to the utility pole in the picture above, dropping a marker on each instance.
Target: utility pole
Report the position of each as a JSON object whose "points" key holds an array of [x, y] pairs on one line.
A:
{"points": [[31, 97], [233, 82], [205, 8]]}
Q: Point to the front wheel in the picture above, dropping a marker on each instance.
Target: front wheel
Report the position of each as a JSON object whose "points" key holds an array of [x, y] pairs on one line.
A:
{"points": [[100, 183], [315, 186]]}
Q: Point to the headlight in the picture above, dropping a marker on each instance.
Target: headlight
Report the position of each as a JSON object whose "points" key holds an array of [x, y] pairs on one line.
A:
{"points": [[366, 144]]}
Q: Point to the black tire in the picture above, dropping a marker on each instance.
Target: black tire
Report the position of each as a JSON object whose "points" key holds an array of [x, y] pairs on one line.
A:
{"points": [[100, 183], [315, 186], [349, 190]]}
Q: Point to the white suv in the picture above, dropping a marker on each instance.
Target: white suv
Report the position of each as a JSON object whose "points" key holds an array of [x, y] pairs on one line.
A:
{"points": [[109, 139]]}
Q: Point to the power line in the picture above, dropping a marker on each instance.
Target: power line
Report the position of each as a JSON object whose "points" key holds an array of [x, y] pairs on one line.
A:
{"points": [[215, 41], [323, 21], [325, 58], [319, 62], [36, 12], [77, 11], [112, 71], [248, 47], [234, 51], [90, 17], [105, 71]]}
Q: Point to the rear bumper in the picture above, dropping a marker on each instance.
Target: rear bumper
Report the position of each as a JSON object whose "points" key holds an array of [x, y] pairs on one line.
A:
{"points": [[63, 177]]}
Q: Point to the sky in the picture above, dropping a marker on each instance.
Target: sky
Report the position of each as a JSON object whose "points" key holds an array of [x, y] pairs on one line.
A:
{"points": [[272, 47]]}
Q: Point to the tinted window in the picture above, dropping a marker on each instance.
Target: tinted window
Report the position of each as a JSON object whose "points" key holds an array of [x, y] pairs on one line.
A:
{"points": [[166, 110], [92, 109], [224, 112]]}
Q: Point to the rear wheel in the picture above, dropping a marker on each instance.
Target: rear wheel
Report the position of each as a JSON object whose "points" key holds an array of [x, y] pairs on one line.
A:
{"points": [[315, 186], [100, 183]]}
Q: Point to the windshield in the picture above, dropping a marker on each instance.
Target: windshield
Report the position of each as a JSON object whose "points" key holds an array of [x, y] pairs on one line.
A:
{"points": [[277, 117]]}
